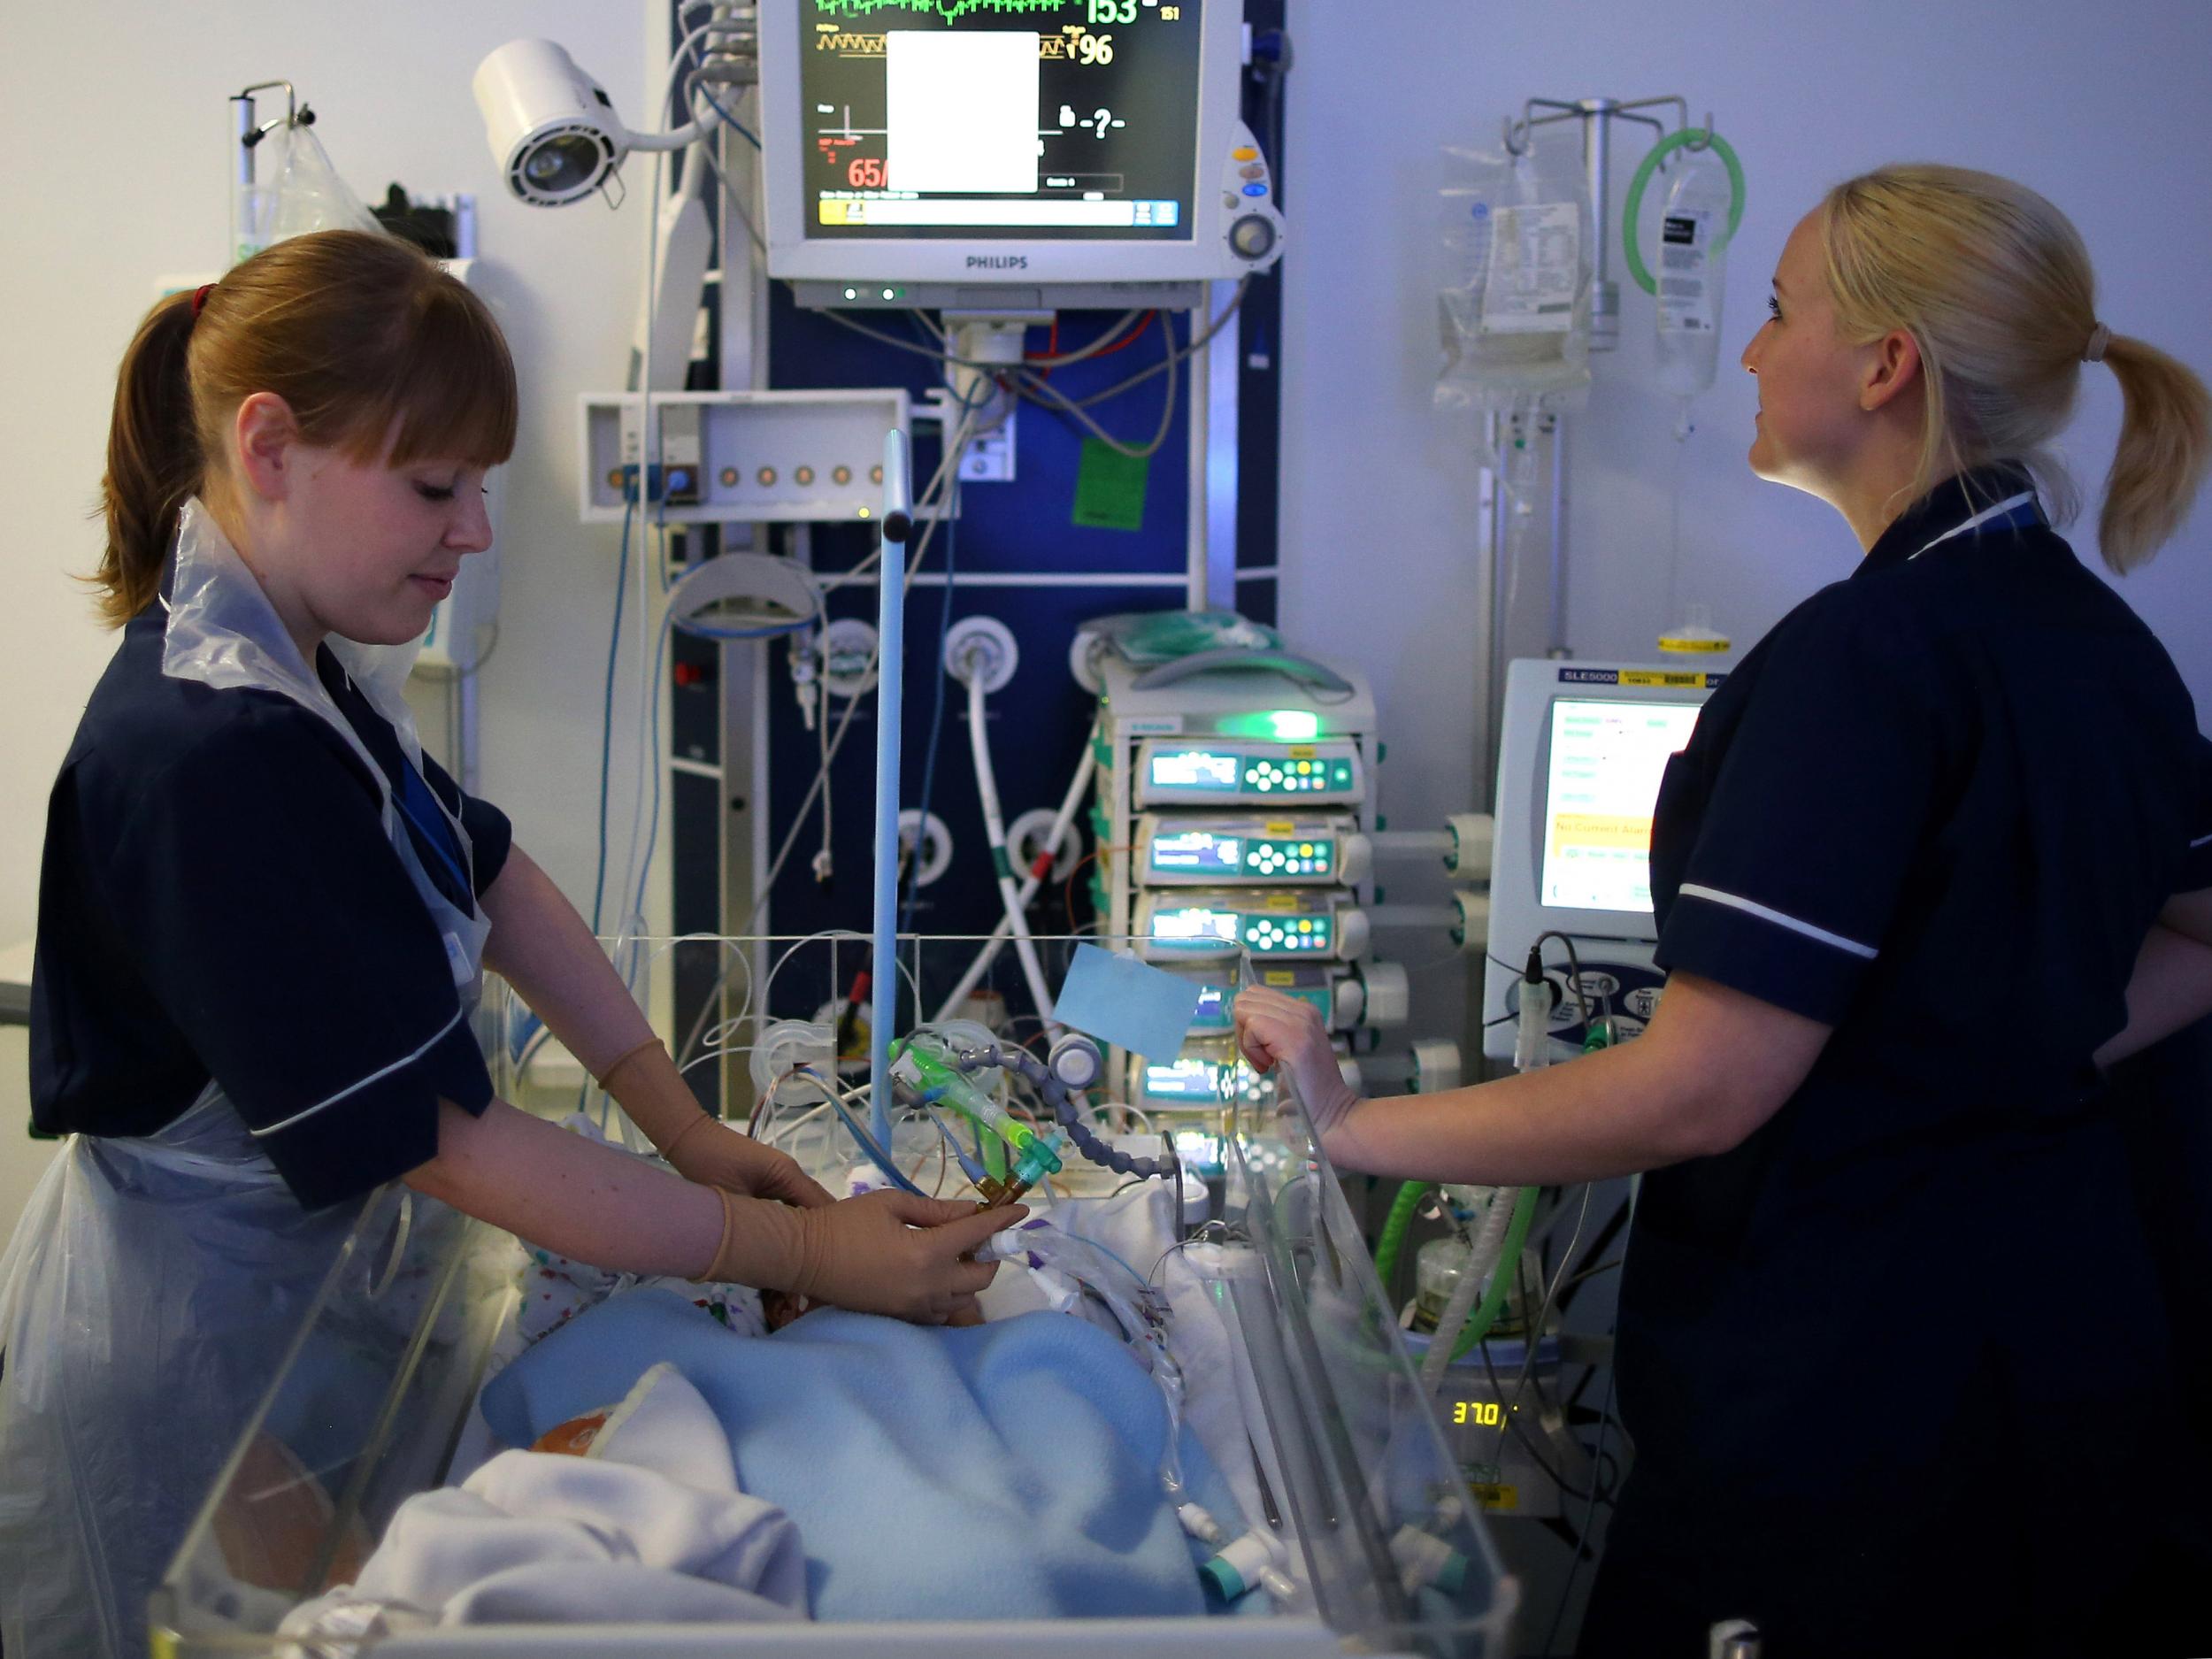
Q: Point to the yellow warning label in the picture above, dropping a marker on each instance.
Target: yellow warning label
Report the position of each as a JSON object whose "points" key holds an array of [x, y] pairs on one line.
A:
{"points": [[1659, 677], [1303, 751], [1496, 1497], [1278, 827], [1282, 900], [1668, 642], [1278, 976]]}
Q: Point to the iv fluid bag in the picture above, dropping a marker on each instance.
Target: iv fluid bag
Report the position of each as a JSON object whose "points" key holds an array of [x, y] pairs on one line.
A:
{"points": [[1513, 282], [1692, 271]]}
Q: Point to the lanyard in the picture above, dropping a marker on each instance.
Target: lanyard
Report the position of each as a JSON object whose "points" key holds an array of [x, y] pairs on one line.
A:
{"points": [[418, 804]]}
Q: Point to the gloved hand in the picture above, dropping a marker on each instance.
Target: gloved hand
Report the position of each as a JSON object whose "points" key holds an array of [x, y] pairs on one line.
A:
{"points": [[1274, 1031], [883, 1252], [715, 1154], [646, 1086]]}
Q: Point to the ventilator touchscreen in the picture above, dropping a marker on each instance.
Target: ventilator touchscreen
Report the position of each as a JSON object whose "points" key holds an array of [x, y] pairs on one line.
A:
{"points": [[1602, 784]]}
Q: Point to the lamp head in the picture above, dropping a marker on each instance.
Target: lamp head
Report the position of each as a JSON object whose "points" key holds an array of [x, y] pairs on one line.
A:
{"points": [[554, 131]]}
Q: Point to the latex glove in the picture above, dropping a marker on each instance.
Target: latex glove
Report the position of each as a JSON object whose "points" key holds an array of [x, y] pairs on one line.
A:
{"points": [[883, 1252], [646, 1086], [715, 1154], [1280, 1033]]}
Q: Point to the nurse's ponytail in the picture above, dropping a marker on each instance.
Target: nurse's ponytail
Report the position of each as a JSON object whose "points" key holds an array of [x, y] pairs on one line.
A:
{"points": [[2165, 439], [1995, 288], [378, 353], [154, 462]]}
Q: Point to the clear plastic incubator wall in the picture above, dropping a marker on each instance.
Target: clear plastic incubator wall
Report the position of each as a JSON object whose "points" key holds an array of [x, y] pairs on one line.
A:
{"points": [[1187, 1423]]}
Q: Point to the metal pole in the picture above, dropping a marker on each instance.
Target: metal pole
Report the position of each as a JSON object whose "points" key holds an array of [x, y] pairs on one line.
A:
{"points": [[1597, 158], [242, 170], [1490, 547], [1555, 428]]}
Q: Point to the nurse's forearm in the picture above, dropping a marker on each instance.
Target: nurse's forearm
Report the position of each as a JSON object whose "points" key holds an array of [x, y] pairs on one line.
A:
{"points": [[1604, 1115], [571, 1195], [1714, 1065], [2171, 988], [543, 948]]}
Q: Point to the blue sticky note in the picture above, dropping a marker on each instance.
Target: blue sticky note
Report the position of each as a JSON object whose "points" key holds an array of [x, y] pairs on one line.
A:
{"points": [[1120, 999]]}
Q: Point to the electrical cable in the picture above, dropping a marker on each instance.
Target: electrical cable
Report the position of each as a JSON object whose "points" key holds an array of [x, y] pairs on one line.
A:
{"points": [[1042, 392], [1530, 1344], [699, 90], [1589, 1517], [939, 481], [941, 477], [941, 353], [1189, 350], [936, 731], [606, 722], [937, 713]]}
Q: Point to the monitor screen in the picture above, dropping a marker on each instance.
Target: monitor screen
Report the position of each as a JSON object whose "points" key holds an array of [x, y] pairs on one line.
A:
{"points": [[1603, 785], [1011, 120]]}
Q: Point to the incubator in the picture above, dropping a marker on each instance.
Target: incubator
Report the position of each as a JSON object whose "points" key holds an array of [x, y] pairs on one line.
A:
{"points": [[1337, 1520]]}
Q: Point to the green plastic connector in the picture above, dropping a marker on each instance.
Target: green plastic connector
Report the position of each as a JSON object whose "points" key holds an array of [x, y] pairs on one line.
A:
{"points": [[928, 1068]]}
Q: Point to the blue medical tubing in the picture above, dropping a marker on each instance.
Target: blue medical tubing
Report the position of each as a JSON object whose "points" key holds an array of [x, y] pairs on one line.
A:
{"points": [[870, 1148], [890, 707], [728, 121], [969, 1166]]}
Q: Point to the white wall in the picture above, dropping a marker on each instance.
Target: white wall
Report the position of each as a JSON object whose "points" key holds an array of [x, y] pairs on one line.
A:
{"points": [[118, 125], [2109, 113]]}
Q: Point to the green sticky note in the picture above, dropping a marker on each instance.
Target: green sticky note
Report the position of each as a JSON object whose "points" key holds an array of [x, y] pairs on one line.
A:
{"points": [[1110, 487]]}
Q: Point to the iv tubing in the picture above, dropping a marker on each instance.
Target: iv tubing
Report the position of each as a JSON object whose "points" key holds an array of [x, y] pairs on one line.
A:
{"points": [[994, 830], [1485, 1261], [1031, 882], [890, 705], [1478, 1326]]}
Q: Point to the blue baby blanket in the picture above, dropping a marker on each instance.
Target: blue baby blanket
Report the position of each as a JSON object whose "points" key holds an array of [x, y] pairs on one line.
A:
{"points": [[1005, 1471]]}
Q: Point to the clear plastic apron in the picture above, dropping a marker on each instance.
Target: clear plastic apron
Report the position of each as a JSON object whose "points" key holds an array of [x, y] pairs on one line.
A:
{"points": [[153, 1284]]}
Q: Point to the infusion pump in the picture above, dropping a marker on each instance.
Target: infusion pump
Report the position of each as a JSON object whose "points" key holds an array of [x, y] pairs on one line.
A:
{"points": [[1235, 800]]}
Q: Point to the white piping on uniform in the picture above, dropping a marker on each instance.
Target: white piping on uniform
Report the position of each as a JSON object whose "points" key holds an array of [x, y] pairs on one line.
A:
{"points": [[373, 1077], [1978, 519], [1690, 890]]}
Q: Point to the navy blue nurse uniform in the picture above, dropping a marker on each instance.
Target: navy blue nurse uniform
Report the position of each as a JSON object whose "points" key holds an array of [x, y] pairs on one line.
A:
{"points": [[217, 899], [1896, 1369]]}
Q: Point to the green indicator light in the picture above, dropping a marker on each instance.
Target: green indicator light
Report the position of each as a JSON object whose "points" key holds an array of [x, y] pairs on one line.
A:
{"points": [[1288, 726]]}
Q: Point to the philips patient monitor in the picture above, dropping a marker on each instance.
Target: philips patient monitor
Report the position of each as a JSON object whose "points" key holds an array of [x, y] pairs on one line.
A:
{"points": [[931, 153]]}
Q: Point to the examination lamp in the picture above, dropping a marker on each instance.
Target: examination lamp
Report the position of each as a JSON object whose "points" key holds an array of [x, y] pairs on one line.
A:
{"points": [[553, 129]]}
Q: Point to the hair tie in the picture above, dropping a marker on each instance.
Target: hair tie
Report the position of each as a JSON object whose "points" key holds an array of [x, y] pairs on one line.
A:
{"points": [[2099, 337], [199, 297]]}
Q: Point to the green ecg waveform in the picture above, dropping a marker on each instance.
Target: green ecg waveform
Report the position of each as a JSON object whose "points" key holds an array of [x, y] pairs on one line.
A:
{"points": [[948, 10]]}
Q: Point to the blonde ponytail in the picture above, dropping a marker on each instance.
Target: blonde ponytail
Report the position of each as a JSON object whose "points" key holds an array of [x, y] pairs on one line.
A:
{"points": [[1995, 288], [2165, 448]]}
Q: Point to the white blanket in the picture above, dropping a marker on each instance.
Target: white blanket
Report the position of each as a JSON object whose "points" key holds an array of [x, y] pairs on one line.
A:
{"points": [[648, 1524]]}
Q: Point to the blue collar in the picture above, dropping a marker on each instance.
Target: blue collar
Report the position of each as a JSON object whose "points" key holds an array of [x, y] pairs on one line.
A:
{"points": [[1983, 500]]}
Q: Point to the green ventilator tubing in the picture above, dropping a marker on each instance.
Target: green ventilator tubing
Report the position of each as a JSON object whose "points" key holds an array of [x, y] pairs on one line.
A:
{"points": [[1703, 136], [1392, 1243]]}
